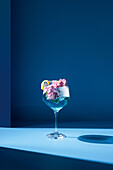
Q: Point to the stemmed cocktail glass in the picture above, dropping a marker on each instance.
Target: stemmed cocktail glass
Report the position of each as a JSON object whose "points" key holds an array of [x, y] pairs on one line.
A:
{"points": [[56, 96]]}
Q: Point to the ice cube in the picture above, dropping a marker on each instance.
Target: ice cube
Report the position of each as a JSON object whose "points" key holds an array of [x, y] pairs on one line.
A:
{"points": [[64, 91]]}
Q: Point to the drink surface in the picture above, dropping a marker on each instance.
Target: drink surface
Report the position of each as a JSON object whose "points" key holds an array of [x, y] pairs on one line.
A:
{"points": [[56, 105]]}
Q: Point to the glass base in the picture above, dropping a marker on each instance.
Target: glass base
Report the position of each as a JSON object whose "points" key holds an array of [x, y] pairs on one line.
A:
{"points": [[56, 135]]}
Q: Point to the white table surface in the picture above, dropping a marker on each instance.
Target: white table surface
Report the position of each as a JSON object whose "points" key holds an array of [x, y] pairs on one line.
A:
{"points": [[35, 140]]}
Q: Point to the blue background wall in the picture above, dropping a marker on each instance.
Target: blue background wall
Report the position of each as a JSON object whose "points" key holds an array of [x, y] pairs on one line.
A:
{"points": [[70, 39], [5, 60]]}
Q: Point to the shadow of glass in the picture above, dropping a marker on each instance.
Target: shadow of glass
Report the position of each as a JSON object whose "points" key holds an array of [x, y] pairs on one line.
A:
{"points": [[99, 139]]}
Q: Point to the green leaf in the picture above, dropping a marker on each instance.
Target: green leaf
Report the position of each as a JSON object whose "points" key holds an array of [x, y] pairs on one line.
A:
{"points": [[57, 100]]}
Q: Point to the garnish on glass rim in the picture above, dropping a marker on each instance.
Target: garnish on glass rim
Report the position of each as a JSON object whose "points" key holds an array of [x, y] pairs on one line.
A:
{"points": [[52, 92], [42, 84]]}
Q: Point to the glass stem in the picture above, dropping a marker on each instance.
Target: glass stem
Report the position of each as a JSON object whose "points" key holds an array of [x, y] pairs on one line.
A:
{"points": [[55, 113]]}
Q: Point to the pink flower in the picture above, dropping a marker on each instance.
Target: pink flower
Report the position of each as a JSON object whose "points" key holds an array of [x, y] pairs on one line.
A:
{"points": [[53, 95], [52, 90], [48, 89], [55, 84], [62, 82]]}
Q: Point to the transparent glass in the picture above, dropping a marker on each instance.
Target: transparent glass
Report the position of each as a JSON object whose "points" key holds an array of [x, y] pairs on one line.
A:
{"points": [[56, 104]]}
